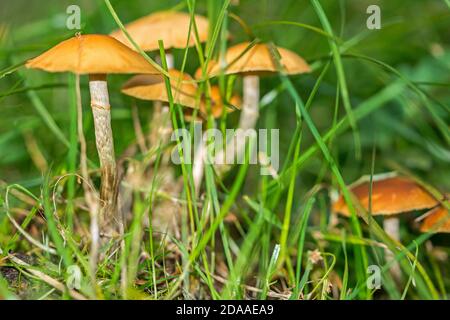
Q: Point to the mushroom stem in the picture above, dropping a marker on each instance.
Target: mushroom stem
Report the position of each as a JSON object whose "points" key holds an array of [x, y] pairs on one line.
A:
{"points": [[249, 117], [250, 110], [169, 60], [391, 226], [198, 165], [105, 148]]}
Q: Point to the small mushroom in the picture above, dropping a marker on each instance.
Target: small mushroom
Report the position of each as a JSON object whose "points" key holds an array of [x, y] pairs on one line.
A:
{"points": [[390, 197], [97, 55], [153, 88], [436, 220], [217, 104], [252, 63]]}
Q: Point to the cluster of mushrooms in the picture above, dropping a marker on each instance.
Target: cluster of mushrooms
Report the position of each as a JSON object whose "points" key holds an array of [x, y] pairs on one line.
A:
{"points": [[100, 55], [390, 196]]}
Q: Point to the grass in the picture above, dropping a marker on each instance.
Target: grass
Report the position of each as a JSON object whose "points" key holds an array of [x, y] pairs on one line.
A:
{"points": [[369, 106]]}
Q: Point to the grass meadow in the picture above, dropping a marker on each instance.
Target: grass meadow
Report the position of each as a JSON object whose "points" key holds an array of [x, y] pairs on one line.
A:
{"points": [[376, 101]]}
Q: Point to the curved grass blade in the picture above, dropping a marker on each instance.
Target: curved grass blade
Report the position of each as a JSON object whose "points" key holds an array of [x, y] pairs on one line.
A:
{"points": [[301, 243], [411, 277]]}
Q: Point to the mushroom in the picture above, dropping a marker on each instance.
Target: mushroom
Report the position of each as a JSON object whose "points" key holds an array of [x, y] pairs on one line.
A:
{"points": [[252, 62], [218, 103], [97, 55], [390, 196], [153, 88], [436, 220], [173, 28], [217, 106]]}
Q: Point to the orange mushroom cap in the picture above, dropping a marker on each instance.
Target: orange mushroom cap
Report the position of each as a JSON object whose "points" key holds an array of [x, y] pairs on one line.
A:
{"points": [[437, 220], [257, 60], [217, 105], [390, 196], [153, 87], [92, 54], [199, 71], [170, 26]]}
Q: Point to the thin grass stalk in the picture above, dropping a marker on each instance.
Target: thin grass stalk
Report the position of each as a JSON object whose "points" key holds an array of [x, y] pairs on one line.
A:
{"points": [[361, 254], [340, 74]]}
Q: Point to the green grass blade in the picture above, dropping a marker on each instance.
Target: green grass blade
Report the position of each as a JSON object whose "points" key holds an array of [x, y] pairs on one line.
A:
{"points": [[340, 74]]}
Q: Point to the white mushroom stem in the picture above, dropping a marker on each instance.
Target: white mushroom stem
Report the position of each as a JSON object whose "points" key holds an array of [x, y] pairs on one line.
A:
{"points": [[169, 60], [105, 148], [199, 164], [249, 117], [391, 226], [250, 110]]}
